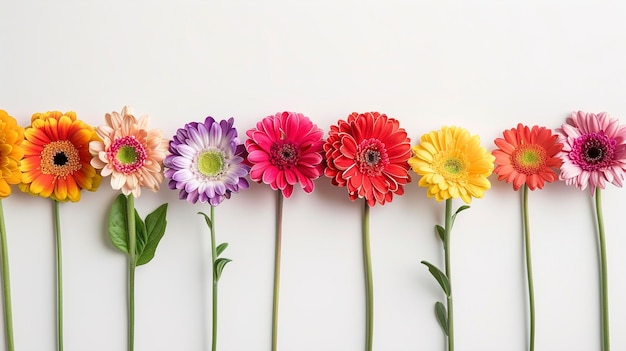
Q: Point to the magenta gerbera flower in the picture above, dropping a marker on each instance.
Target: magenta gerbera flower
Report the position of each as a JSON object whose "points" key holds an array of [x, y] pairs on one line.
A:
{"points": [[594, 150], [206, 162], [285, 149]]}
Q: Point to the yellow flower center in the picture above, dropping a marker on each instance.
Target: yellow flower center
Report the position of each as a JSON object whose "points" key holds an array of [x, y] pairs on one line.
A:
{"points": [[60, 158], [529, 159], [451, 165]]}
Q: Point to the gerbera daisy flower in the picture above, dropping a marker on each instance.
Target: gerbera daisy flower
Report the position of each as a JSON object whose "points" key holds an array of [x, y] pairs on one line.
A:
{"points": [[527, 156], [56, 157], [11, 153], [368, 155], [594, 150], [130, 152], [452, 164], [206, 162], [285, 149]]}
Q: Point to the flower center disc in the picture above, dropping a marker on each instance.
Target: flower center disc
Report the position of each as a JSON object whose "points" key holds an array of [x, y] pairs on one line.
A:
{"points": [[529, 159], [284, 156], [371, 157], [593, 151], [210, 163], [450, 165], [60, 158], [127, 154]]}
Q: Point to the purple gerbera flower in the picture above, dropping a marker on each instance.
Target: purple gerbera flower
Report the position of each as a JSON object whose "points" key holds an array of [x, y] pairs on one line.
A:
{"points": [[206, 162], [594, 150]]}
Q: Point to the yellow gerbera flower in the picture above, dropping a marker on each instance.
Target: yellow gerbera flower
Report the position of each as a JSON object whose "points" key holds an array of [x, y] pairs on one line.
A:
{"points": [[56, 157], [11, 136], [452, 164]]}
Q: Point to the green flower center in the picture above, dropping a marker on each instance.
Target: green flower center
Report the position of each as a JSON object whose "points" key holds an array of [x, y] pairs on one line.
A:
{"points": [[529, 159], [126, 155], [453, 166], [210, 163]]}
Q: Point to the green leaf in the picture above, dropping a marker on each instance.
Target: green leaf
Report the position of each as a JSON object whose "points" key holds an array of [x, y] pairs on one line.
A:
{"points": [[439, 276], [141, 237], [218, 267], [118, 224], [220, 248], [442, 318], [459, 210], [207, 219], [155, 228], [440, 232]]}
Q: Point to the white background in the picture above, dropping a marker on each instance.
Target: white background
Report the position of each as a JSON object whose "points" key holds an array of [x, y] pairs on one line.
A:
{"points": [[485, 66]]}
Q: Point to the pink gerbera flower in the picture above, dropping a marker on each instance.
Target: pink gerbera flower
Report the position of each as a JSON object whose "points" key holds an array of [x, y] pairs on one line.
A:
{"points": [[594, 150], [285, 149]]}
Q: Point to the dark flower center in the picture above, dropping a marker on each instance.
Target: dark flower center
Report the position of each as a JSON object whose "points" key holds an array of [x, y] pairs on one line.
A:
{"points": [[60, 159], [371, 157], [284, 156], [593, 151]]}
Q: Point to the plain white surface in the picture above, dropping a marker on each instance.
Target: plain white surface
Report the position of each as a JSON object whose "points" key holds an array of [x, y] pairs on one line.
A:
{"points": [[485, 66]]}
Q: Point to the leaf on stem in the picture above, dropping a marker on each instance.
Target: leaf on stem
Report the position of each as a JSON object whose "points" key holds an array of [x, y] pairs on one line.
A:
{"points": [[442, 318], [207, 219], [218, 267], [140, 234], [440, 232], [155, 228], [118, 224], [220, 248], [459, 210], [441, 278]]}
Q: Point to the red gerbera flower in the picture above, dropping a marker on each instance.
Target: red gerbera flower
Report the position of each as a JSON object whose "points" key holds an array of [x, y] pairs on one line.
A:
{"points": [[527, 156], [285, 149], [368, 154]]}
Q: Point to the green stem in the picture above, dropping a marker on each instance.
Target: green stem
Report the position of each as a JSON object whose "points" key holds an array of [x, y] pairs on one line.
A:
{"points": [[369, 285], [132, 262], [8, 314], [57, 228], [279, 229], [603, 274], [529, 268], [214, 293], [448, 230]]}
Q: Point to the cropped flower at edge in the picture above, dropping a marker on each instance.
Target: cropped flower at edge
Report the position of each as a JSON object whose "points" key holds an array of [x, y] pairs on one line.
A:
{"points": [[56, 157], [129, 152], [11, 135], [206, 162], [594, 150], [368, 153], [285, 149], [527, 156], [452, 164]]}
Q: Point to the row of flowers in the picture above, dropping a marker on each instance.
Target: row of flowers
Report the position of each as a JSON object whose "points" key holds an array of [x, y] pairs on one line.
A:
{"points": [[369, 154]]}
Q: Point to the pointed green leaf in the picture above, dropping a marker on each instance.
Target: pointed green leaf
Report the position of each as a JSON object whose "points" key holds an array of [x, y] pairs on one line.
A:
{"points": [[459, 210], [155, 228], [207, 219], [442, 317], [218, 267], [440, 232], [118, 225], [141, 237], [220, 248], [439, 276]]}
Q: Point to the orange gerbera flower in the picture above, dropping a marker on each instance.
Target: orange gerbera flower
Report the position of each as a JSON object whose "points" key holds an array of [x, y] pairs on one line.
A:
{"points": [[527, 156], [11, 136], [56, 157], [129, 152]]}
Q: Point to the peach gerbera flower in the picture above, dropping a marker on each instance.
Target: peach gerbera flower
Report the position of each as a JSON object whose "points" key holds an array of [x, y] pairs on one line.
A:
{"points": [[527, 156], [129, 152], [11, 153], [56, 157]]}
